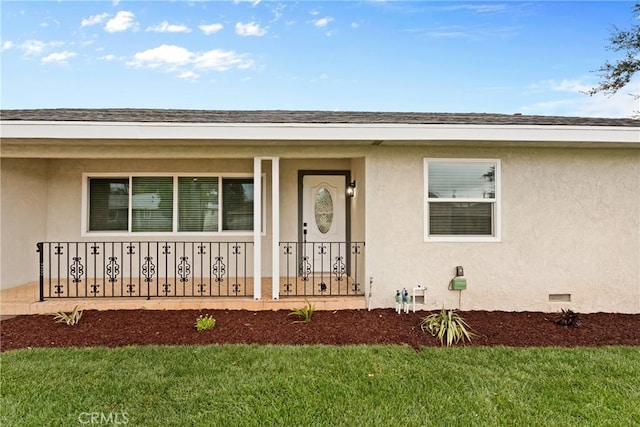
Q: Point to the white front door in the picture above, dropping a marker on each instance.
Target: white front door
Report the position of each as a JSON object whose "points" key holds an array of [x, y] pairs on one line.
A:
{"points": [[324, 221]]}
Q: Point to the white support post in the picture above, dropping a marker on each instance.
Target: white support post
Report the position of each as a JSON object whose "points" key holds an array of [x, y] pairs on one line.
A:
{"points": [[257, 228], [275, 227]]}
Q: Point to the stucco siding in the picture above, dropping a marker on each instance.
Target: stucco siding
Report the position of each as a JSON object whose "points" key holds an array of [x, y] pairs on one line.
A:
{"points": [[570, 225], [570, 219], [23, 210]]}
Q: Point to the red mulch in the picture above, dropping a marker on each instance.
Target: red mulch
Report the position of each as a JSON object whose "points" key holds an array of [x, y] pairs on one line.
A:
{"points": [[117, 328]]}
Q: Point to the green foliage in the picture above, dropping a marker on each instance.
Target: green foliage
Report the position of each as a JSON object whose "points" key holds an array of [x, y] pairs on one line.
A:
{"points": [[227, 385], [567, 318], [72, 318], [615, 76], [447, 326], [304, 313], [205, 322]]}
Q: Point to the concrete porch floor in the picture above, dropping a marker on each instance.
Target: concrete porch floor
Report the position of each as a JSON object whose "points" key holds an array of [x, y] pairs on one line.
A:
{"points": [[24, 300]]}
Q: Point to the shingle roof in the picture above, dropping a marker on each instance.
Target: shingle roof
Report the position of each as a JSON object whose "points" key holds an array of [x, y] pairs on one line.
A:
{"points": [[281, 116]]}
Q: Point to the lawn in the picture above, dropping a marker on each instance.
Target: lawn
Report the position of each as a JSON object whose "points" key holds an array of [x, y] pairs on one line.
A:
{"points": [[230, 385]]}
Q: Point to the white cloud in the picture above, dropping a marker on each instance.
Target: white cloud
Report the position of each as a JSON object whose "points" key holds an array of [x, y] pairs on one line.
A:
{"points": [[109, 57], [58, 57], [478, 8], [222, 60], [478, 32], [355, 25], [322, 22], [7, 45], [167, 56], [115, 2], [622, 104], [165, 27], [210, 28], [253, 2], [314, 12], [188, 75], [448, 34], [575, 102], [94, 19], [565, 85], [278, 11], [121, 22], [33, 47], [250, 29], [175, 58]]}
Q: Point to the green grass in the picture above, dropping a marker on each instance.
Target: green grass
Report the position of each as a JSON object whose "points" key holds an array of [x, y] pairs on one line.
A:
{"points": [[317, 385]]}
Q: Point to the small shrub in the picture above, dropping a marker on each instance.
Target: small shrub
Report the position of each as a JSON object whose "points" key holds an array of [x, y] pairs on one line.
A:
{"points": [[304, 313], [71, 318], [447, 326], [205, 322], [567, 318]]}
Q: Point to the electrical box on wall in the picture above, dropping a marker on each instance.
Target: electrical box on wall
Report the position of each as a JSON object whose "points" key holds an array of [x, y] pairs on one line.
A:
{"points": [[458, 283]]}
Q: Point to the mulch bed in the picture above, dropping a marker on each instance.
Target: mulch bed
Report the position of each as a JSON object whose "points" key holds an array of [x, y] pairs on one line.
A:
{"points": [[117, 328]]}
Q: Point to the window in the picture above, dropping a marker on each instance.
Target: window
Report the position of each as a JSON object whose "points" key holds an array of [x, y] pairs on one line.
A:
{"points": [[166, 204], [462, 200]]}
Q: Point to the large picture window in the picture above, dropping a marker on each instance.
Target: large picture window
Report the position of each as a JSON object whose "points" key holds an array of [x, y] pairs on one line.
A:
{"points": [[462, 200], [166, 204]]}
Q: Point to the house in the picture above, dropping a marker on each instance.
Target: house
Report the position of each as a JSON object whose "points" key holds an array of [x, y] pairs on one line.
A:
{"points": [[530, 213]]}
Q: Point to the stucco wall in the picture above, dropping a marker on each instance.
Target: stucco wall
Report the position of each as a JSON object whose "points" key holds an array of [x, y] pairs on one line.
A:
{"points": [[570, 221], [570, 225], [23, 210]]}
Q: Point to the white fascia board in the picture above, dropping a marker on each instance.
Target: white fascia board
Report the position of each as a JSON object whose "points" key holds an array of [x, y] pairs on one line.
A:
{"points": [[389, 133]]}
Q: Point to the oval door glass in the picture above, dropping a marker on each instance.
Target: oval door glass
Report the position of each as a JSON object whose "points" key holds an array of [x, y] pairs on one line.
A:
{"points": [[323, 208]]}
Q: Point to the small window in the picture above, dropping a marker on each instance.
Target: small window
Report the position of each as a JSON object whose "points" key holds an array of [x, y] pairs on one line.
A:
{"points": [[152, 204], [198, 204], [462, 200], [108, 204], [237, 213]]}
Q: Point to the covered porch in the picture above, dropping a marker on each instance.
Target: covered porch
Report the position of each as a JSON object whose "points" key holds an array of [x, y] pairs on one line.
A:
{"points": [[207, 270]]}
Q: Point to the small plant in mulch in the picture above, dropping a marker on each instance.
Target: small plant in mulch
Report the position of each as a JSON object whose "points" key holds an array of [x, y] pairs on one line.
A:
{"points": [[204, 322], [72, 318], [448, 326], [567, 318], [304, 313]]}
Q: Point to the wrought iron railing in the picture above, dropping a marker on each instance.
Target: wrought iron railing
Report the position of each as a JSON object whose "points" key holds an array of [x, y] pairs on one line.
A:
{"points": [[145, 269], [321, 268]]}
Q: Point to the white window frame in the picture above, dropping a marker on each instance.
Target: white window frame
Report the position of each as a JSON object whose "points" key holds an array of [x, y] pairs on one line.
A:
{"points": [[497, 201], [130, 175]]}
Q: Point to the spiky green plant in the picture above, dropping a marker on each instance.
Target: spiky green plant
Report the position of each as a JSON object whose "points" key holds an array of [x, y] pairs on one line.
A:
{"points": [[71, 318], [304, 313], [205, 322], [448, 326]]}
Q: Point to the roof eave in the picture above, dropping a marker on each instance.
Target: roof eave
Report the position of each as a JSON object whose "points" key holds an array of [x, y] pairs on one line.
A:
{"points": [[286, 133]]}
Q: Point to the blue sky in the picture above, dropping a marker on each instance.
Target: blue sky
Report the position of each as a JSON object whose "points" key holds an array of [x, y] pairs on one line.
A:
{"points": [[532, 57]]}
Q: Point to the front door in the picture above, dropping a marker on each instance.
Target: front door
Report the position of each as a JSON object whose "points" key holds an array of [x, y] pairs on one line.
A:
{"points": [[324, 221]]}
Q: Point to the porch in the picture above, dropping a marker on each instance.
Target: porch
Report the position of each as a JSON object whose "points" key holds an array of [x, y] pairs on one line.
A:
{"points": [[24, 300], [187, 274]]}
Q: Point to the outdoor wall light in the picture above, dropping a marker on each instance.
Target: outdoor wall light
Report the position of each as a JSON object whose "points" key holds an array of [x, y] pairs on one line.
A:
{"points": [[351, 189]]}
